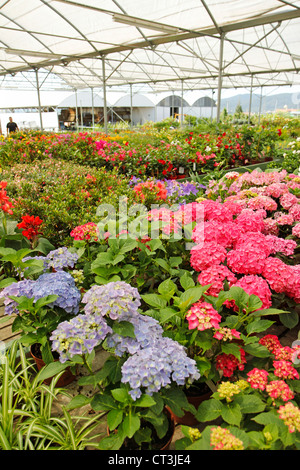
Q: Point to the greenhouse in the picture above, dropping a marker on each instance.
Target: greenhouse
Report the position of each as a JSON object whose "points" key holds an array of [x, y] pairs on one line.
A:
{"points": [[150, 226]]}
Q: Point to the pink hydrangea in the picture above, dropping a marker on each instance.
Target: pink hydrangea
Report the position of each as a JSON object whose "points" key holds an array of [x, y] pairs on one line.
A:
{"points": [[258, 378], [214, 210], [206, 255], [258, 286], [296, 231], [235, 204], [203, 316], [290, 414], [285, 370], [216, 275], [213, 231], [250, 221], [270, 226], [247, 259], [293, 283], [87, 231], [278, 389], [284, 352], [271, 342], [276, 190], [287, 200], [227, 334], [253, 239], [294, 212], [262, 202], [284, 219], [277, 273], [280, 245]]}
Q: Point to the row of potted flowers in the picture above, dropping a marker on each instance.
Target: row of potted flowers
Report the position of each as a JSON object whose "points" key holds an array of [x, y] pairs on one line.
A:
{"points": [[170, 154]]}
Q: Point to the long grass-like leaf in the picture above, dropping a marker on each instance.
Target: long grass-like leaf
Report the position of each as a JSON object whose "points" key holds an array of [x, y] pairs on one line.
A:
{"points": [[71, 430], [4, 443]]}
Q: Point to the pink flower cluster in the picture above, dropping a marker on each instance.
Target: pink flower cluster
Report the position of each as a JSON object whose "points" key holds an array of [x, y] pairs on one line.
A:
{"points": [[216, 275], [278, 389], [222, 439], [203, 316], [87, 231], [228, 363], [290, 414], [283, 368], [258, 378], [237, 242]]}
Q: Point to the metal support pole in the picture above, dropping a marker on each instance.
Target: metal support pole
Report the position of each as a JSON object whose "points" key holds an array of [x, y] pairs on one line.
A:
{"points": [[104, 95], [93, 111], [181, 120], [76, 109], [81, 116], [250, 100], [211, 105], [220, 76], [39, 97], [131, 123], [260, 103]]}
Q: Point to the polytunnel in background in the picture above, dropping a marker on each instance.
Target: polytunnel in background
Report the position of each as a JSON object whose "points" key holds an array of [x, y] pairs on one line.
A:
{"points": [[166, 45]]}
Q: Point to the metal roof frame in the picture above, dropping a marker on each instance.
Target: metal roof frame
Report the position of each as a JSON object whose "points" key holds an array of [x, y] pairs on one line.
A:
{"points": [[235, 44]]}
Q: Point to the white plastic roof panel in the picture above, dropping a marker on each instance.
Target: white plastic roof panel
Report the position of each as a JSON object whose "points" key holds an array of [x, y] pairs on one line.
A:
{"points": [[163, 43]]}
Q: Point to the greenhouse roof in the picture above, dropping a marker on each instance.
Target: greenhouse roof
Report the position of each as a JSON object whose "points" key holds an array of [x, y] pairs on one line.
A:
{"points": [[167, 44]]}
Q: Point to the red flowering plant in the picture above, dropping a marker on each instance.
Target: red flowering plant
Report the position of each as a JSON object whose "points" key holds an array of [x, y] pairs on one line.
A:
{"points": [[6, 207], [150, 192], [30, 226], [259, 405]]}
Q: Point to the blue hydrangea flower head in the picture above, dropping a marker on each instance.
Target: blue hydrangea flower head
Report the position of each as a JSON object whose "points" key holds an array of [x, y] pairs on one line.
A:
{"points": [[61, 284], [146, 330], [80, 335], [16, 289], [113, 300], [156, 366], [61, 258]]}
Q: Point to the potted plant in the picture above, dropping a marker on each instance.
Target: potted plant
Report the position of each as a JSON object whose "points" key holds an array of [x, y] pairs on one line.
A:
{"points": [[216, 337], [258, 410], [139, 379], [28, 420], [40, 305]]}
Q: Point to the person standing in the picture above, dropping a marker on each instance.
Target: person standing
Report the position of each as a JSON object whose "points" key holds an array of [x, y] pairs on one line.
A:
{"points": [[11, 126]]}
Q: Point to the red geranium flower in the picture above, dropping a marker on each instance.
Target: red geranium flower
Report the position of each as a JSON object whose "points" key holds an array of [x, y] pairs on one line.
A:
{"points": [[30, 224]]}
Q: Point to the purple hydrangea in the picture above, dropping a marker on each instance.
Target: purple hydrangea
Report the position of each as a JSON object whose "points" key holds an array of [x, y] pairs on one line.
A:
{"points": [[61, 284], [113, 300], [156, 366], [146, 330], [80, 336], [61, 258], [57, 259], [16, 289]]}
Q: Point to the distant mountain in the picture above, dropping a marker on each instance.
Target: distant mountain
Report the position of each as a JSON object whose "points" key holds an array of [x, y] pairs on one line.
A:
{"points": [[268, 104]]}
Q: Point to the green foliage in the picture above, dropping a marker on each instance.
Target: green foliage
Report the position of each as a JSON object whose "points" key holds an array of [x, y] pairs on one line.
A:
{"points": [[26, 411], [62, 194]]}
